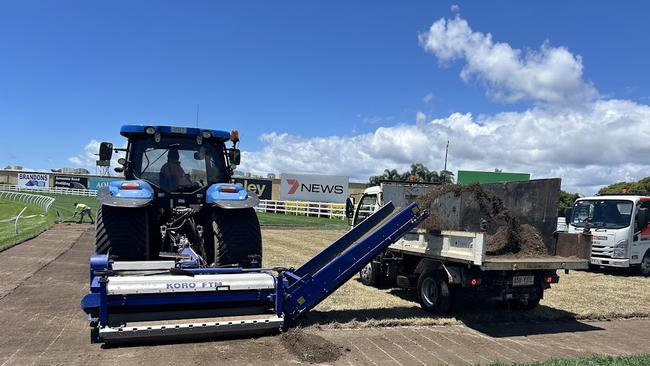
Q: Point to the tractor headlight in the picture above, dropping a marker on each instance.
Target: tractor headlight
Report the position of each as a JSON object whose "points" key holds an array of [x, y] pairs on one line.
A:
{"points": [[206, 134], [150, 130], [620, 249]]}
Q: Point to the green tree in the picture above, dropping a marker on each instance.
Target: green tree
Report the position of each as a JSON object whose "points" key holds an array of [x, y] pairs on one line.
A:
{"points": [[417, 173], [639, 187], [566, 200]]}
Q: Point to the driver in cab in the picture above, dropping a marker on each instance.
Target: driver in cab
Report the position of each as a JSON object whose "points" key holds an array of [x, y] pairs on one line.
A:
{"points": [[172, 173]]}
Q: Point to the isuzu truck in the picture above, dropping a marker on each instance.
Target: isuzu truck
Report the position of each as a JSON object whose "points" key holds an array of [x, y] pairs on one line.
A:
{"points": [[619, 227]]}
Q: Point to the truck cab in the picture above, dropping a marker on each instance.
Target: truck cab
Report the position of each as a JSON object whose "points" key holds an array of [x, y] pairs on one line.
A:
{"points": [[619, 227]]}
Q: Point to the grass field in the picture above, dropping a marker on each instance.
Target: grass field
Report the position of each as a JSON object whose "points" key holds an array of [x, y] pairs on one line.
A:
{"points": [[579, 295], [32, 220], [638, 360], [30, 227], [274, 219]]}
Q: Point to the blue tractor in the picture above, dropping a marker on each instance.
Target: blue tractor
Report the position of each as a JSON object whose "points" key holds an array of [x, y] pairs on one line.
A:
{"points": [[176, 200]]}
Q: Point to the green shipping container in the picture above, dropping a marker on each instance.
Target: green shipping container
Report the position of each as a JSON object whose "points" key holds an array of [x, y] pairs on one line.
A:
{"points": [[471, 176]]}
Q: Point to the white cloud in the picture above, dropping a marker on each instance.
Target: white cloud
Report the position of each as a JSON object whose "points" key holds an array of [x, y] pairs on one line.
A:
{"points": [[587, 148], [455, 8], [550, 74], [420, 118], [88, 157], [428, 98]]}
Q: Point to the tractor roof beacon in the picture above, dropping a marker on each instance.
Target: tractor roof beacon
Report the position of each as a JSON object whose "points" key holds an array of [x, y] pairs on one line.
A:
{"points": [[179, 248]]}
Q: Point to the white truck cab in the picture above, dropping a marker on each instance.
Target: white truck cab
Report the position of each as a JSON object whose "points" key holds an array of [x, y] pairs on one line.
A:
{"points": [[619, 228]]}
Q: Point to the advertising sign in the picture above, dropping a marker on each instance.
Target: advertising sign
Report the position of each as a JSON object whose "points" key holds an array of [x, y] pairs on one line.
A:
{"points": [[263, 187], [316, 188], [69, 181], [99, 182], [34, 180]]}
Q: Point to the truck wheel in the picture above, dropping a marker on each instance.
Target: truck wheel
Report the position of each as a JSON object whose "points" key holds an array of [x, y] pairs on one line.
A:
{"points": [[644, 268], [434, 293], [122, 232], [370, 275], [236, 237]]}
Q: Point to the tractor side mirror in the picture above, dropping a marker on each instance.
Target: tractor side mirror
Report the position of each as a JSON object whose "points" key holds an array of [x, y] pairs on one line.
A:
{"points": [[568, 213], [105, 151], [349, 208], [641, 218], [234, 156]]}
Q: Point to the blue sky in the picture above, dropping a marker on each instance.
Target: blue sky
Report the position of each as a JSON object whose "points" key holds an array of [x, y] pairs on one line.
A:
{"points": [[72, 72]]}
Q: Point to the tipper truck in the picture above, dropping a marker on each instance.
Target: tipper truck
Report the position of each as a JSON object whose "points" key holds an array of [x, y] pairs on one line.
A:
{"points": [[445, 266], [620, 230]]}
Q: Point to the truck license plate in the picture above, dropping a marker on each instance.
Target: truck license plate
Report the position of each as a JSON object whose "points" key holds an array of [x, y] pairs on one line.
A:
{"points": [[523, 280]]}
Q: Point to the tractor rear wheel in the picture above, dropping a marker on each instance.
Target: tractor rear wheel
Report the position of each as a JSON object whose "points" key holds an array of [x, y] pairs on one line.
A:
{"points": [[123, 233], [237, 238]]}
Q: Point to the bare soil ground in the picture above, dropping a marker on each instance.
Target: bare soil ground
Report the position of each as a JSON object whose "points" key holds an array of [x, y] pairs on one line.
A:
{"points": [[42, 324]]}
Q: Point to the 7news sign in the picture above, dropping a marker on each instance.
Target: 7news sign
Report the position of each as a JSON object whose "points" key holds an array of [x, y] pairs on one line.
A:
{"points": [[315, 188]]}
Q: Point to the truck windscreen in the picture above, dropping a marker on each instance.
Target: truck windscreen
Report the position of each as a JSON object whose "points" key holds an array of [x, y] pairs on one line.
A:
{"points": [[606, 214]]}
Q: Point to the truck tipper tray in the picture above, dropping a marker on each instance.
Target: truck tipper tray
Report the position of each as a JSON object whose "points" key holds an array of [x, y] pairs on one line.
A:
{"points": [[469, 247]]}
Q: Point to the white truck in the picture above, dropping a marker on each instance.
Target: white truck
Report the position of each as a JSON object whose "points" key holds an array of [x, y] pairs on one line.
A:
{"points": [[447, 267], [619, 227]]}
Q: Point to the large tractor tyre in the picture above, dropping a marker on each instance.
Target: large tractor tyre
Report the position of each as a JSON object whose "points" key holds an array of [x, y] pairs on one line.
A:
{"points": [[434, 293], [237, 238], [371, 275], [123, 233], [644, 268]]}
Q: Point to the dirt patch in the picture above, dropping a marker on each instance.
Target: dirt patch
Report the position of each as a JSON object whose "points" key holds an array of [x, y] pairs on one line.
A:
{"points": [[506, 236], [310, 347]]}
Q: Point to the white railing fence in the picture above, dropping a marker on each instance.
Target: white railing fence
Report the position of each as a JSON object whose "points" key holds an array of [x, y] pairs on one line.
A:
{"points": [[303, 208], [50, 190], [37, 200]]}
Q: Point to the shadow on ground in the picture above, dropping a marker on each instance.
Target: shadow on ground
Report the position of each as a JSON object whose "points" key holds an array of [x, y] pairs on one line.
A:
{"points": [[488, 317]]}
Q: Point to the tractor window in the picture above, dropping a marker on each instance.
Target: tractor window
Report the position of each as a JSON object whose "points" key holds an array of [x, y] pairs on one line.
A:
{"points": [[178, 164]]}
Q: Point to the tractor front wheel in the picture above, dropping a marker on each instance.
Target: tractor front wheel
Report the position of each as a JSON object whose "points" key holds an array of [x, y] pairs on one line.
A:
{"points": [[236, 236]]}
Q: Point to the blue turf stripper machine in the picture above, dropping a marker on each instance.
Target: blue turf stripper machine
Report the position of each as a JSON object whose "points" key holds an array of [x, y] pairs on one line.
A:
{"points": [[179, 247]]}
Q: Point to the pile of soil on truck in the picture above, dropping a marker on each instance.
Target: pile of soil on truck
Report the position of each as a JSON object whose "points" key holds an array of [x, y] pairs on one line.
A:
{"points": [[506, 236]]}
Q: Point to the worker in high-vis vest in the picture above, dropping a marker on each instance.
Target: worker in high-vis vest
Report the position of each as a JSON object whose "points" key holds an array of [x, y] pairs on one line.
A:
{"points": [[82, 210]]}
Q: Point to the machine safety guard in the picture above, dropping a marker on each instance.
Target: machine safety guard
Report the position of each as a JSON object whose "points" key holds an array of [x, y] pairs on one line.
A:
{"points": [[154, 299]]}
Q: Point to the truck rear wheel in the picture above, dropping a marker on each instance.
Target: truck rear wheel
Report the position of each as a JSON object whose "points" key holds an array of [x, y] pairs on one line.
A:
{"points": [[370, 275], [236, 237], [122, 232], [434, 293]]}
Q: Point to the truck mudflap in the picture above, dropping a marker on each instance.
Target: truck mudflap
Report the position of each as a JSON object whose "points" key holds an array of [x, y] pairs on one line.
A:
{"points": [[154, 299]]}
